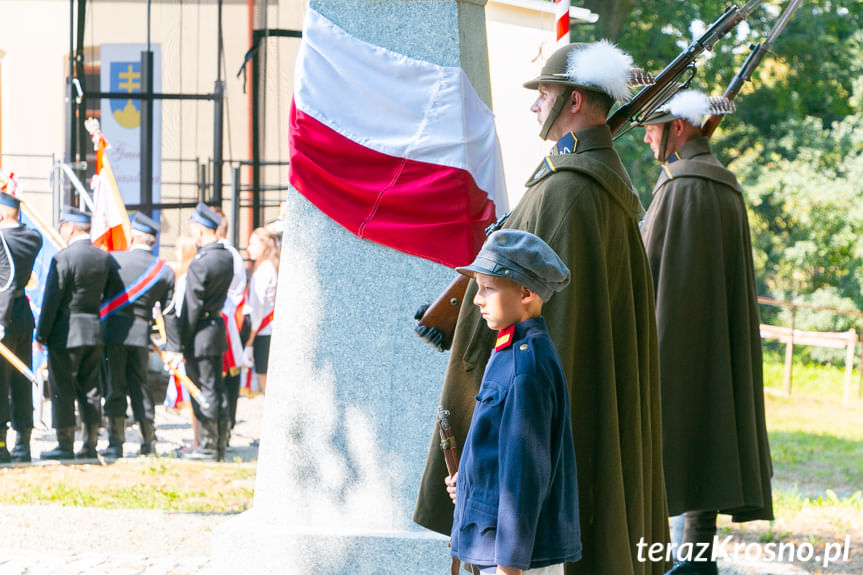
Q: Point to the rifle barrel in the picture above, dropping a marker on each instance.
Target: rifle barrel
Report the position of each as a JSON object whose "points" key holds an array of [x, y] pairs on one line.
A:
{"points": [[647, 95]]}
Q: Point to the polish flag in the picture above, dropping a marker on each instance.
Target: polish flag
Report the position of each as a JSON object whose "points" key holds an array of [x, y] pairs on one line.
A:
{"points": [[109, 228], [399, 151]]}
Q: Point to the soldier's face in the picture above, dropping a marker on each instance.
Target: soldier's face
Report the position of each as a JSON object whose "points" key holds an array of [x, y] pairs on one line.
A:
{"points": [[653, 137], [500, 301], [546, 96]]}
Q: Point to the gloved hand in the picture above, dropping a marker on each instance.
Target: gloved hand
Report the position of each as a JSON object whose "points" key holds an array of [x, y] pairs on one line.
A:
{"points": [[2, 332], [420, 312], [173, 359], [249, 356], [430, 335]]}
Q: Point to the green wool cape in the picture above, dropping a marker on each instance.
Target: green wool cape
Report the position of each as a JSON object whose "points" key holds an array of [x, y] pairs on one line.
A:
{"points": [[714, 436], [603, 325]]}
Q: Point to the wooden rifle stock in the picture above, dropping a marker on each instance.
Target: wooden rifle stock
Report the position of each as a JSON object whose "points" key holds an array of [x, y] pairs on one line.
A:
{"points": [[652, 96], [442, 314], [745, 73]]}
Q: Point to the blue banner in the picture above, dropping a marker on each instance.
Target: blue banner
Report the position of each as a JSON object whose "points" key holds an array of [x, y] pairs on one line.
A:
{"points": [[36, 285]]}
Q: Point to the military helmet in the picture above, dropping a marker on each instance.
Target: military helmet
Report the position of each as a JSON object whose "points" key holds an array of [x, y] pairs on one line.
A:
{"points": [[692, 106], [598, 66]]}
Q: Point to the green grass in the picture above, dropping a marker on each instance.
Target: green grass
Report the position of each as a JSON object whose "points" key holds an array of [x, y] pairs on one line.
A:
{"points": [[809, 379], [816, 441], [165, 484]]}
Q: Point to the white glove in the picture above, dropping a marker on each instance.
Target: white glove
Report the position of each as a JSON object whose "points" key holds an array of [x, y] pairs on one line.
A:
{"points": [[173, 358], [2, 332], [249, 357]]}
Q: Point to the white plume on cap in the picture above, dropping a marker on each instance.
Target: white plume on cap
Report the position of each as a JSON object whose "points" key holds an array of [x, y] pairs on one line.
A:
{"points": [[691, 105], [601, 65]]}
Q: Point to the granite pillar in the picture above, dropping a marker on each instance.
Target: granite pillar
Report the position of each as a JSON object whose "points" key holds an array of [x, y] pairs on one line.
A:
{"points": [[352, 393]]}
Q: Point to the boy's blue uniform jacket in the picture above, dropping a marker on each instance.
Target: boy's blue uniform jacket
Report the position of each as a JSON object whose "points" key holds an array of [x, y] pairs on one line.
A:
{"points": [[517, 492]]}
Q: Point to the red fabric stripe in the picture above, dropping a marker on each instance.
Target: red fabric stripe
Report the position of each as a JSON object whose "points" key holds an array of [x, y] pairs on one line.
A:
{"points": [[267, 320], [563, 26], [432, 211], [114, 304], [227, 357]]}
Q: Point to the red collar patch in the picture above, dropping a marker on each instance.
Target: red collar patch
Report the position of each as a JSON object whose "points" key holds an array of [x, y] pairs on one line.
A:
{"points": [[504, 338]]}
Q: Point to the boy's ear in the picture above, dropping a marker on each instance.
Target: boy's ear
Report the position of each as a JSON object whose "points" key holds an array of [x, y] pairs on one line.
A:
{"points": [[527, 296]]}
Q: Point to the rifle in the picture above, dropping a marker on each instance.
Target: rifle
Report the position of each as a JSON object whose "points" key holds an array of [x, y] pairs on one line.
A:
{"points": [[668, 82], [447, 441], [758, 51], [436, 322]]}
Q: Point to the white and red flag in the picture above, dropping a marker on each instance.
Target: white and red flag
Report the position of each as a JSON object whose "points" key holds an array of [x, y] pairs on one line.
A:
{"points": [[399, 151], [109, 228]]}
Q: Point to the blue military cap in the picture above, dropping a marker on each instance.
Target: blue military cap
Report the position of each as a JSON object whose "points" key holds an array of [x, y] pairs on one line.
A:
{"points": [[144, 224], [523, 258], [9, 200], [74, 215], [205, 216]]}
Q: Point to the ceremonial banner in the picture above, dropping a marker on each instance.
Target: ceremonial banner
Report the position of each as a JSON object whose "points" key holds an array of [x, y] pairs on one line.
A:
{"points": [[121, 119], [110, 228], [399, 151], [36, 286]]}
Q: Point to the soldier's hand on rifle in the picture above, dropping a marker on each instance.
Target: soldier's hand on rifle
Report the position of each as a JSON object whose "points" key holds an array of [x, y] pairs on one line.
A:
{"points": [[421, 311], [430, 335], [450, 485]]}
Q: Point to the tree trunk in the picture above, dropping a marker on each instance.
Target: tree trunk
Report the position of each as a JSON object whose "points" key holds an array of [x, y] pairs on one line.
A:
{"points": [[612, 15]]}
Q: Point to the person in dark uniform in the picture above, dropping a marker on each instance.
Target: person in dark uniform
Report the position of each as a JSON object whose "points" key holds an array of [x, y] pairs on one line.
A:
{"points": [[19, 246], [233, 359], [69, 326], [199, 332], [127, 316]]}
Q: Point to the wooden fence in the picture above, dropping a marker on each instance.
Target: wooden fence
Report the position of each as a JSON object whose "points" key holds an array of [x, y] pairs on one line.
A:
{"points": [[791, 337]]}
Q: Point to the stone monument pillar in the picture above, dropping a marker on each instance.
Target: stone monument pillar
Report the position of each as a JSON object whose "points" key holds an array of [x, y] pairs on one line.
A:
{"points": [[352, 393]]}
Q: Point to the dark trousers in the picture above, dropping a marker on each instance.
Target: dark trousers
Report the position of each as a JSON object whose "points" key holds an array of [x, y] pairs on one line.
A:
{"points": [[232, 387], [74, 374], [206, 373], [16, 391], [127, 375]]}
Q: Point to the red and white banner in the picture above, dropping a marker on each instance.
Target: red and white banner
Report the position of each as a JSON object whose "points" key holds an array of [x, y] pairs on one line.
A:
{"points": [[109, 229], [399, 151]]}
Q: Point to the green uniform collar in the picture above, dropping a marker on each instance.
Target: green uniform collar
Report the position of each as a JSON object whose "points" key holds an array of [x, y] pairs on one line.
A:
{"points": [[591, 139], [695, 160]]}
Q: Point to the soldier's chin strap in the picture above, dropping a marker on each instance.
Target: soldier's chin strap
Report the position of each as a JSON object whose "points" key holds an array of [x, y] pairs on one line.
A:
{"points": [[663, 142], [561, 101]]}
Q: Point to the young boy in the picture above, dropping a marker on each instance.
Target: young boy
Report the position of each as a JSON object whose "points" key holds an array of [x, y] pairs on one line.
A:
{"points": [[516, 494]]}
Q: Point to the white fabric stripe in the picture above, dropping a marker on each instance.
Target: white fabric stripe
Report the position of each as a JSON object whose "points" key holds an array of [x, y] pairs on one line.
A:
{"points": [[397, 105]]}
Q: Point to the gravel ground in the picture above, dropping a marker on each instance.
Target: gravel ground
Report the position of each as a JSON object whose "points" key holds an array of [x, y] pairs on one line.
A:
{"points": [[54, 540]]}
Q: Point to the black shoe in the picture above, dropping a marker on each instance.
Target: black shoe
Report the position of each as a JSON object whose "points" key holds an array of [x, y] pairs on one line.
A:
{"points": [[91, 437], [112, 452], [148, 437], [116, 437], [5, 456], [65, 442], [58, 452], [21, 451], [208, 450]]}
